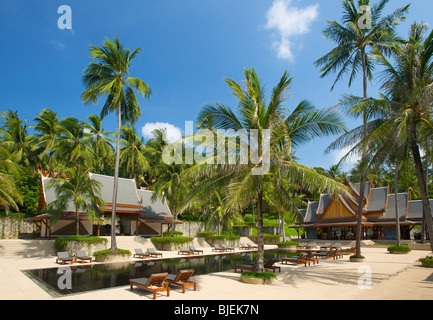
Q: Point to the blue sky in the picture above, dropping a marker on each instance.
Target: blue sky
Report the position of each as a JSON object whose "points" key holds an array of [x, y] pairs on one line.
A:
{"points": [[188, 48]]}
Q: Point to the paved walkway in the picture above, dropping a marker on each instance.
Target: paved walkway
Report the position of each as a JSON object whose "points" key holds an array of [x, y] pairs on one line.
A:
{"points": [[392, 277]]}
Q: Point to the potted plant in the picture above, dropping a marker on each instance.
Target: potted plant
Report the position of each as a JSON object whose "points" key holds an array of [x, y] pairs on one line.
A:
{"points": [[426, 261]]}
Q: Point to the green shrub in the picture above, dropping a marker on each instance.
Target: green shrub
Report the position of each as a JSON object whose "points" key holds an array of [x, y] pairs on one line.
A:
{"points": [[427, 261], [175, 233], [401, 249], [287, 243], [102, 254], [205, 234], [259, 275], [168, 240], [60, 242]]}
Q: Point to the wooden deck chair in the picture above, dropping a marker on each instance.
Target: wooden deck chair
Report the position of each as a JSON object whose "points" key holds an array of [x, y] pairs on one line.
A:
{"points": [[183, 250], [140, 254], [270, 265], [64, 257], [302, 259], [216, 247], [155, 283], [245, 267], [153, 253], [198, 251], [224, 246], [183, 279], [81, 255]]}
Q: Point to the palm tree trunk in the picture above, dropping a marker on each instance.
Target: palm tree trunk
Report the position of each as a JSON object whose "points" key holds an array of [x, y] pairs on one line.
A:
{"points": [[421, 181], [77, 223], [116, 182], [260, 239], [397, 218], [363, 167]]}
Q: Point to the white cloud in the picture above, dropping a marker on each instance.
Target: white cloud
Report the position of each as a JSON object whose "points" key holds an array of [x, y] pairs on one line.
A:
{"points": [[173, 133], [351, 160], [289, 21]]}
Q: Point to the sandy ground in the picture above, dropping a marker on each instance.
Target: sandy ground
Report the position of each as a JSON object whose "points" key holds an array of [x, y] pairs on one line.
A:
{"points": [[382, 276]]}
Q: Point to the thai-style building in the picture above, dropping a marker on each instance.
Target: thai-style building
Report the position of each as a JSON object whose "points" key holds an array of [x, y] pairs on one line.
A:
{"points": [[139, 211], [335, 217]]}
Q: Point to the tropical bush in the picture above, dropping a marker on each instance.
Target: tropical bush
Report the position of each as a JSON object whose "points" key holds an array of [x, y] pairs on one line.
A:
{"points": [[260, 275], [427, 261], [103, 254], [287, 243], [399, 249], [61, 242]]}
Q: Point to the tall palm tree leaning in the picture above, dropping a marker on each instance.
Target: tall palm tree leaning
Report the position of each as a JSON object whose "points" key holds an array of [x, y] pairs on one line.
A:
{"points": [[408, 82], [261, 121], [109, 76], [362, 29]]}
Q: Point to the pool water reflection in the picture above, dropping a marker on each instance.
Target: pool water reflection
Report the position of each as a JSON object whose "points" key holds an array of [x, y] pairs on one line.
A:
{"points": [[78, 278]]}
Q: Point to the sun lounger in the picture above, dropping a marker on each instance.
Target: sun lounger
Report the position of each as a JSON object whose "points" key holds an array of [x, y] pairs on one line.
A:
{"points": [[337, 246], [245, 267], [216, 247], [326, 254], [311, 245], [193, 249], [243, 247], [140, 254], [183, 250], [270, 265], [302, 259], [153, 253], [183, 279], [64, 257], [327, 245], [348, 251], [251, 246], [227, 248], [310, 258], [81, 255], [155, 283], [301, 245]]}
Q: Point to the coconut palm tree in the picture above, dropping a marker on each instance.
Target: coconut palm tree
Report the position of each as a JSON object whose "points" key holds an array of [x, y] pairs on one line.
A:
{"points": [[109, 76], [132, 157], [73, 149], [77, 192], [352, 55], [262, 121], [408, 81], [100, 141], [47, 126], [14, 137], [10, 196]]}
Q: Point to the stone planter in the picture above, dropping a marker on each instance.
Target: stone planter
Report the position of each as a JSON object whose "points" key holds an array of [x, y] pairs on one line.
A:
{"points": [[427, 265], [113, 258], [355, 259], [257, 281]]}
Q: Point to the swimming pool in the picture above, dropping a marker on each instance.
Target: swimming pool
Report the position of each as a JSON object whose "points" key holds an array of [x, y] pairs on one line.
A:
{"points": [[77, 278]]}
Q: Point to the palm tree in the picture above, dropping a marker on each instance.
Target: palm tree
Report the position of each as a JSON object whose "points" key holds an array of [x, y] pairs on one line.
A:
{"points": [[109, 76], [131, 154], [408, 81], [14, 138], [47, 126], [100, 140], [10, 196], [76, 192], [73, 149], [241, 182], [352, 55]]}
